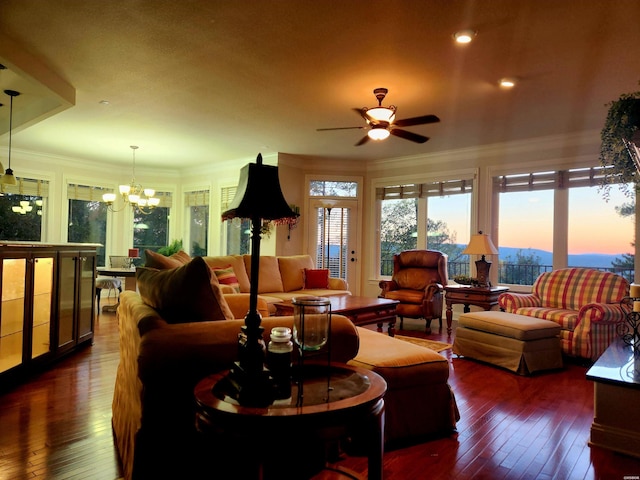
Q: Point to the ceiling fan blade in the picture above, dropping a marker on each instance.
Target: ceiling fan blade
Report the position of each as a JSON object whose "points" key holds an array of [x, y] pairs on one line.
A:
{"points": [[413, 137], [407, 122], [338, 128], [362, 141]]}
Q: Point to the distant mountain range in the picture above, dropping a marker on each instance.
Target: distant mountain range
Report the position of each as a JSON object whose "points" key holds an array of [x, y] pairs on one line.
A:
{"points": [[583, 260]]}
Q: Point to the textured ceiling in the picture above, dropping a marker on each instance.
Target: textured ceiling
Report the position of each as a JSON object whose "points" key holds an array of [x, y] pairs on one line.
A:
{"points": [[195, 82]]}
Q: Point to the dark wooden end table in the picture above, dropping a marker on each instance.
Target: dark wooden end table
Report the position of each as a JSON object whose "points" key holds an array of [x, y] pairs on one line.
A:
{"points": [[354, 403], [360, 310], [485, 297]]}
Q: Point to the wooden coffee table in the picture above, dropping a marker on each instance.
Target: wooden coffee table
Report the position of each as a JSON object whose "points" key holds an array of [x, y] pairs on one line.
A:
{"points": [[360, 310]]}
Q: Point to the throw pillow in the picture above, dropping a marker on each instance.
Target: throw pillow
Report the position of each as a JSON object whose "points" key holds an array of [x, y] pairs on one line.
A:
{"points": [[161, 262], [316, 278], [184, 294], [226, 276]]}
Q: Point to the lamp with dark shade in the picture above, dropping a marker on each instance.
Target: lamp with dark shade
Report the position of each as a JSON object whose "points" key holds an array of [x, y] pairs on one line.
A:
{"points": [[259, 197], [481, 244]]}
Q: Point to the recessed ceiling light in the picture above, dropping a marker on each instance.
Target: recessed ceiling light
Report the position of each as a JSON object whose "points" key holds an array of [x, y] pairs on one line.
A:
{"points": [[464, 36], [508, 82]]}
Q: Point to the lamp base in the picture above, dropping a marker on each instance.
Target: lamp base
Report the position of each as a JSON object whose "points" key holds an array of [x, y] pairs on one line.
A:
{"points": [[482, 271], [251, 389], [253, 385]]}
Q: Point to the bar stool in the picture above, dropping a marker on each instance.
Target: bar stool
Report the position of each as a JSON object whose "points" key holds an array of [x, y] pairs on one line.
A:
{"points": [[113, 284]]}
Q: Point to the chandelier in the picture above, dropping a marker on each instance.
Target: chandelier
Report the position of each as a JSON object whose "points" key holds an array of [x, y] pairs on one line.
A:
{"points": [[141, 199]]}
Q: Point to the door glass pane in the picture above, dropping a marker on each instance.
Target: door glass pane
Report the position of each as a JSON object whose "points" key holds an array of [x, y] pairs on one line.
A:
{"points": [[333, 240], [601, 233], [398, 230], [12, 314], [86, 296], [526, 236], [42, 298], [66, 299], [88, 224]]}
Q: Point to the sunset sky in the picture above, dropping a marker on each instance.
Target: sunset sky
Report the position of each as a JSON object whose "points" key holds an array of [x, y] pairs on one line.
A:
{"points": [[526, 220]]}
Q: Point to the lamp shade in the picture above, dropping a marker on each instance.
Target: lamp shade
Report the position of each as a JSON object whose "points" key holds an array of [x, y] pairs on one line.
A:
{"points": [[259, 195], [480, 244]]}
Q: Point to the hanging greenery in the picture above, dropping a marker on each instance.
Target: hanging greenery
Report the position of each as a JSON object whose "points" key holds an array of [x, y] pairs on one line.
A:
{"points": [[623, 120]]}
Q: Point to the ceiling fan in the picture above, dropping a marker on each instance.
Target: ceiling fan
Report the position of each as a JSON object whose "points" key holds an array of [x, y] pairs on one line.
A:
{"points": [[381, 122]]}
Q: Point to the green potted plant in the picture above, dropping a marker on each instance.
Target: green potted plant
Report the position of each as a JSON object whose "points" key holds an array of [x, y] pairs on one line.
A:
{"points": [[622, 122], [174, 247]]}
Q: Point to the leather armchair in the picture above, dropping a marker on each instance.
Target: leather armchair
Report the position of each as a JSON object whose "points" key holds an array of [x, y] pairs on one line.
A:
{"points": [[417, 283]]}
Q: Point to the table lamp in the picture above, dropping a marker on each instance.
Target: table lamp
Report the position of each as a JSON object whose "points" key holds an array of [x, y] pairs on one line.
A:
{"points": [[480, 244], [259, 197]]}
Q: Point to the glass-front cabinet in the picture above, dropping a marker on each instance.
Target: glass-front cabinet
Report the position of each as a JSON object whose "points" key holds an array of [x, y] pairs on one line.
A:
{"points": [[46, 305]]}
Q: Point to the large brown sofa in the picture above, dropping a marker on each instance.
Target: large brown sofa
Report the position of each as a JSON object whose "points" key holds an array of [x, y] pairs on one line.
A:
{"points": [[170, 339], [280, 277]]}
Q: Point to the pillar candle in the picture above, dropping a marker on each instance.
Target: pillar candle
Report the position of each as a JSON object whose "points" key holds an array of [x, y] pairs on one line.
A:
{"points": [[636, 306], [634, 290]]}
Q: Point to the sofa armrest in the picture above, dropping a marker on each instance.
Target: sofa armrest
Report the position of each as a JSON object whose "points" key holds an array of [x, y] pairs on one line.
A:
{"points": [[603, 313], [338, 284], [195, 350], [387, 286], [510, 302], [239, 305]]}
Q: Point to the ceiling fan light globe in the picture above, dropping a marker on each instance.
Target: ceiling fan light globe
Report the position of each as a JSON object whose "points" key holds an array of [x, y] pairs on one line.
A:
{"points": [[378, 133], [382, 114]]}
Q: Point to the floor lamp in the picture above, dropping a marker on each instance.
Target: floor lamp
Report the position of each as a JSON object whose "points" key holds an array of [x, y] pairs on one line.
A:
{"points": [[259, 197]]}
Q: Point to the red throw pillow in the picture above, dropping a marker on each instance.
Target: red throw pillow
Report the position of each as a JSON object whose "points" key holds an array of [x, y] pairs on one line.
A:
{"points": [[227, 276], [316, 278]]}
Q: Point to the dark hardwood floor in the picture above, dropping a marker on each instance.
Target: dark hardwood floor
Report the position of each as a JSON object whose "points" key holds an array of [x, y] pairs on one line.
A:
{"points": [[58, 425]]}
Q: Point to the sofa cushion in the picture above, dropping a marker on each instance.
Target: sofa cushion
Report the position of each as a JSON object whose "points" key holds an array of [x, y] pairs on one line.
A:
{"points": [[291, 271], [227, 276], [269, 279], [316, 278], [161, 262], [189, 293], [237, 262]]}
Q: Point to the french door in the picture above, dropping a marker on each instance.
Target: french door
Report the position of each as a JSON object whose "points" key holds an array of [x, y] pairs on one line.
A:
{"points": [[332, 237]]}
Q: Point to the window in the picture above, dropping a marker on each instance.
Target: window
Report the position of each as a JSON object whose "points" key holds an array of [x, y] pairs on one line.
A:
{"points": [[584, 225], [151, 227], [434, 215], [87, 217], [197, 204], [601, 233], [332, 188], [22, 208], [237, 232]]}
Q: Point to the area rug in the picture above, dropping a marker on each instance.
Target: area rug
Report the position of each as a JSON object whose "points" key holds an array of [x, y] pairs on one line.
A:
{"points": [[432, 344]]}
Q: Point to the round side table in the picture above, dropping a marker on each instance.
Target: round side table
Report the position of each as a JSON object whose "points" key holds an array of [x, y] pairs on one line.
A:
{"points": [[269, 438]]}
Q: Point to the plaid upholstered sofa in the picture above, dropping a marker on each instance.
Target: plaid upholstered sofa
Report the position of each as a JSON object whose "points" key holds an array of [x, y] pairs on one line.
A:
{"points": [[586, 303]]}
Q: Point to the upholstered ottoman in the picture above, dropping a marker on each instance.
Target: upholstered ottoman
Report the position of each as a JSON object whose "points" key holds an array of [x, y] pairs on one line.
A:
{"points": [[419, 401], [519, 343]]}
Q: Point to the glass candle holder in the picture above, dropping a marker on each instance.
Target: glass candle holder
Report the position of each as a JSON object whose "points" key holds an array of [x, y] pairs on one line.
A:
{"points": [[311, 317]]}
